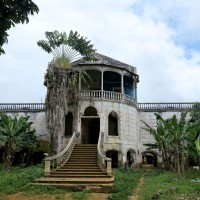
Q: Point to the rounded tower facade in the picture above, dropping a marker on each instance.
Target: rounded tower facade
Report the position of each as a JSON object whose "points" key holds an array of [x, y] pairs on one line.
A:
{"points": [[107, 108]]}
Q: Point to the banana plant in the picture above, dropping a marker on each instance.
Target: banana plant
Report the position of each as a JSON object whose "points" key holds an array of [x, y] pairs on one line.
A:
{"points": [[15, 133], [197, 143]]}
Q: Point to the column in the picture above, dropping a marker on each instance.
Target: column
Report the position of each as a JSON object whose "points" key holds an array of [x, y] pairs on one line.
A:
{"points": [[79, 84], [102, 84], [122, 83]]}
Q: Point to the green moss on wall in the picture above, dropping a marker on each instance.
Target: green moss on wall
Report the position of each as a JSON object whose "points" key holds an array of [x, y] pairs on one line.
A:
{"points": [[42, 146]]}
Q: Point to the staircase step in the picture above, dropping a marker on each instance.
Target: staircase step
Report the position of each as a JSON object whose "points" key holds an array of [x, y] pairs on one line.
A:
{"points": [[78, 175], [97, 188], [80, 165], [75, 180], [81, 170]]}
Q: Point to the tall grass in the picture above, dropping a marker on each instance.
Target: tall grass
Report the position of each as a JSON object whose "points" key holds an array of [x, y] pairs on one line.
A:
{"points": [[164, 185], [18, 178], [125, 183]]}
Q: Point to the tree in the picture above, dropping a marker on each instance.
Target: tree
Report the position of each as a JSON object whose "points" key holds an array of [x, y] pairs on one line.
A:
{"points": [[161, 137], [15, 133], [175, 138], [62, 78], [195, 118], [13, 12]]}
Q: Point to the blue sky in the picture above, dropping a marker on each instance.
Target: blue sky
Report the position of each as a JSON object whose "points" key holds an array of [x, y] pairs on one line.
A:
{"points": [[160, 38]]}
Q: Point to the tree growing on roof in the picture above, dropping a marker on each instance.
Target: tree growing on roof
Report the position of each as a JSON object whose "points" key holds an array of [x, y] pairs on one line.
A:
{"points": [[62, 77]]}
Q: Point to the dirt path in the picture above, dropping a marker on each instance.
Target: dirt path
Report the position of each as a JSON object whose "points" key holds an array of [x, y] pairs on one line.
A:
{"points": [[135, 196], [67, 196]]}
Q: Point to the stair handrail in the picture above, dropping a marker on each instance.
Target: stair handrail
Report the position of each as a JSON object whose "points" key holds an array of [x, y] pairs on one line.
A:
{"points": [[103, 161], [60, 158]]}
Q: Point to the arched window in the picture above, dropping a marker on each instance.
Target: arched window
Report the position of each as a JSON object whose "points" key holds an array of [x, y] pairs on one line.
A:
{"points": [[113, 124], [69, 124], [90, 111]]}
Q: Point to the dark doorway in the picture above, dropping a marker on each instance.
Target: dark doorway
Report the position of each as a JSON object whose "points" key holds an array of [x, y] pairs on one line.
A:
{"points": [[113, 124], [149, 158], [68, 124], [93, 133], [90, 130], [114, 155]]}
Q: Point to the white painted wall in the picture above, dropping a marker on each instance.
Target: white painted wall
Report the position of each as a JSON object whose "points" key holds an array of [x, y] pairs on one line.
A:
{"points": [[38, 119], [131, 135]]}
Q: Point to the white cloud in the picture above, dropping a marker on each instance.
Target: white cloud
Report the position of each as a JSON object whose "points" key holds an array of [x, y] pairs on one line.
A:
{"points": [[141, 33]]}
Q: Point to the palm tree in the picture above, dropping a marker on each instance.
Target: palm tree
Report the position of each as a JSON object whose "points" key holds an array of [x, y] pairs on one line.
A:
{"points": [[15, 133], [62, 77]]}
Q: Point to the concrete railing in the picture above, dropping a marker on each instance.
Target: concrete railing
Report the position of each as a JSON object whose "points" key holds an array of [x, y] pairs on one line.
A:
{"points": [[22, 107], [100, 95], [165, 106], [104, 162], [105, 95], [61, 158]]}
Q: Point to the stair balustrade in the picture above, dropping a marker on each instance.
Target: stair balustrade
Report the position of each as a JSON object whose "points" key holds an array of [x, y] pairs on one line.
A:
{"points": [[58, 160], [104, 162]]}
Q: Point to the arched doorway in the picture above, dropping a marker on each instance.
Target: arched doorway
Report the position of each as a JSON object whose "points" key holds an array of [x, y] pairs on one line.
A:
{"points": [[90, 126], [114, 155], [149, 158], [130, 157]]}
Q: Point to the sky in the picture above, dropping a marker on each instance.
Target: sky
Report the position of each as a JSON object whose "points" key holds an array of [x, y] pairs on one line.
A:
{"points": [[160, 38]]}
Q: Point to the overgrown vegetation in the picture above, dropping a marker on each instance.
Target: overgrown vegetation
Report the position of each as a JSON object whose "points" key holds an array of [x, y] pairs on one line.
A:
{"points": [[125, 183], [16, 133], [62, 78], [176, 139], [158, 184], [18, 178], [164, 185]]}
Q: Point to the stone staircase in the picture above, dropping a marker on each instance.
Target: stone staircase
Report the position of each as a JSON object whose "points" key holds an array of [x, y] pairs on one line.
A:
{"points": [[80, 171]]}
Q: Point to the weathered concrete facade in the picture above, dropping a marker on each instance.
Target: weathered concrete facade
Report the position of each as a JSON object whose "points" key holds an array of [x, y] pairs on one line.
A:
{"points": [[108, 106], [131, 137]]}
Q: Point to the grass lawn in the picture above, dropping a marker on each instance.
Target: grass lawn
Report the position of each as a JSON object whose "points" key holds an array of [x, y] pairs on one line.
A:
{"points": [[157, 185], [164, 185]]}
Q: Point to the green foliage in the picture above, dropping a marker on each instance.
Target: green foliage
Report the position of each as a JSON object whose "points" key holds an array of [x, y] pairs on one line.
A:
{"points": [[50, 77], [125, 183], [165, 186], [175, 139], [83, 195], [197, 143], [15, 133], [13, 12], [43, 189], [18, 178], [67, 48]]}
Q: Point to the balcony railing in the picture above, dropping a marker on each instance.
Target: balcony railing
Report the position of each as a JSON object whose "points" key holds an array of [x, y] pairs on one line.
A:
{"points": [[22, 106], [98, 94], [91, 95], [165, 106]]}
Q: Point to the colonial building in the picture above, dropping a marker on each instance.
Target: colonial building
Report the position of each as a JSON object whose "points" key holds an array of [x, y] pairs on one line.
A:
{"points": [[108, 111]]}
